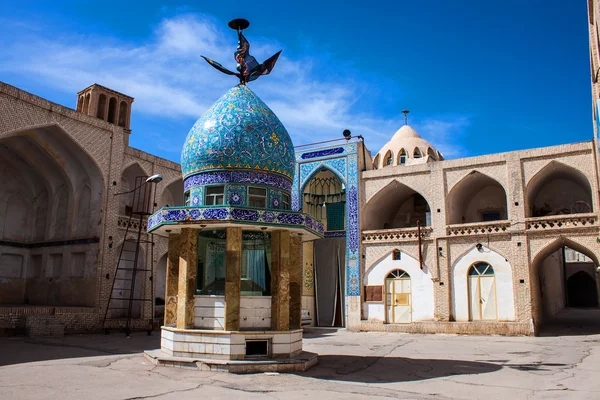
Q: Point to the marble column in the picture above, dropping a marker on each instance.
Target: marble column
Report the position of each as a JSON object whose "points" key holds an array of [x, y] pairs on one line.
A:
{"points": [[295, 282], [171, 284], [280, 280], [187, 278], [233, 266]]}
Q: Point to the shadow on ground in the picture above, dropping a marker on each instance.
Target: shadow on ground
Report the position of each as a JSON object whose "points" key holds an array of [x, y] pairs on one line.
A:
{"points": [[318, 332], [18, 350], [371, 369], [572, 322]]}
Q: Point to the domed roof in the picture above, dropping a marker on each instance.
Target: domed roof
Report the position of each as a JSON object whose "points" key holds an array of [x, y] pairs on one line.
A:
{"points": [[239, 132], [416, 149]]}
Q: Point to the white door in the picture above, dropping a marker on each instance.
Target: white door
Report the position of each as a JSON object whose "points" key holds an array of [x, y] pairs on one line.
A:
{"points": [[398, 298], [482, 292]]}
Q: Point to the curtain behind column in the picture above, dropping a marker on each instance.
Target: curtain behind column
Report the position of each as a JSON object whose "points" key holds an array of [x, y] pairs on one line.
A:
{"points": [[329, 270]]}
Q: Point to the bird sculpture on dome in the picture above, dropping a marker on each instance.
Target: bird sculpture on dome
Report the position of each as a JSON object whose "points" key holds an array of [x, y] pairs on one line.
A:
{"points": [[248, 68]]}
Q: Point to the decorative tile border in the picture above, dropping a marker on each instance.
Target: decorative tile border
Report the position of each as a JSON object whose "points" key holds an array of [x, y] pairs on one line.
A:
{"points": [[344, 164], [335, 234], [258, 178], [175, 215], [322, 153]]}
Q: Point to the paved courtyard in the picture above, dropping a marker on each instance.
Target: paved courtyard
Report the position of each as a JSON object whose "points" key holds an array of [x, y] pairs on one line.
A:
{"points": [[352, 366]]}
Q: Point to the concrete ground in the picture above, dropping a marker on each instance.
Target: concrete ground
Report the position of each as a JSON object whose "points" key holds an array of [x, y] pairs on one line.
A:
{"points": [[352, 366]]}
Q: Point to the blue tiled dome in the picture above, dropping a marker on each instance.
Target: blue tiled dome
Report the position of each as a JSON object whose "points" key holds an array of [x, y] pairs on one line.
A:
{"points": [[238, 133]]}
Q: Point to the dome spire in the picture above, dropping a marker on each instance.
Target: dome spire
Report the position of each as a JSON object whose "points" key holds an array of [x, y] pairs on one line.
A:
{"points": [[248, 68], [405, 112]]}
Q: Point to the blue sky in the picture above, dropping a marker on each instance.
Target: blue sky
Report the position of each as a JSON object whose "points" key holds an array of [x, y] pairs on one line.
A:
{"points": [[478, 76]]}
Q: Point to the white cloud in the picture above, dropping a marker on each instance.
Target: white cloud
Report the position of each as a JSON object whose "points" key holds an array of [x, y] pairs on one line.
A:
{"points": [[168, 78]]}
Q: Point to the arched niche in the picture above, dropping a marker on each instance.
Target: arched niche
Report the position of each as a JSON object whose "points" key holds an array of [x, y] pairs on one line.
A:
{"points": [[123, 114], [112, 110], [172, 195], [324, 198], [476, 198], [558, 189], [45, 175], [101, 113], [388, 159], [396, 206], [129, 177]]}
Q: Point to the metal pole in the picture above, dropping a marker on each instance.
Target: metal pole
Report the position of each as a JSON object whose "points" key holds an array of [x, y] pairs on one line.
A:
{"points": [[419, 238]]}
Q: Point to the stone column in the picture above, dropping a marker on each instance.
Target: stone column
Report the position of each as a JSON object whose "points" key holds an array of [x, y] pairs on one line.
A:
{"points": [[280, 280], [233, 267], [171, 285], [187, 278], [295, 282]]}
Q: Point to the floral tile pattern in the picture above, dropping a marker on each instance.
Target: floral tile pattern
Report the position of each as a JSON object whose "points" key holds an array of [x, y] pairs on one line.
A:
{"points": [[170, 215], [238, 132]]}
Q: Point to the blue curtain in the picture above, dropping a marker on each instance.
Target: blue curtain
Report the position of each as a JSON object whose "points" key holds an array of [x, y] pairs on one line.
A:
{"points": [[256, 267]]}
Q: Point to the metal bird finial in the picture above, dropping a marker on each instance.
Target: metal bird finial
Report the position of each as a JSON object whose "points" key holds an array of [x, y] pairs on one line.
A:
{"points": [[247, 66]]}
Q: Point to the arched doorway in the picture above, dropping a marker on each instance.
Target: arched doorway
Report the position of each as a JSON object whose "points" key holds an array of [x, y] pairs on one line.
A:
{"points": [[581, 290], [324, 198], [476, 198], [482, 292], [398, 301], [564, 289]]}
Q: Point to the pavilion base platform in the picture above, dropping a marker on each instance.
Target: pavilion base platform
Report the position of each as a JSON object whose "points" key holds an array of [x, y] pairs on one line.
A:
{"points": [[299, 363], [233, 351]]}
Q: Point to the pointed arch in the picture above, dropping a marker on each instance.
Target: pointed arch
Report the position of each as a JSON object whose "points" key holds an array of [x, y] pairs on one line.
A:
{"points": [[323, 190], [417, 153], [476, 198], [423, 307], [431, 153], [123, 108], [376, 162], [402, 157], [504, 286], [558, 188], [101, 113], [388, 159], [395, 206], [130, 174], [549, 290], [172, 194], [112, 110]]}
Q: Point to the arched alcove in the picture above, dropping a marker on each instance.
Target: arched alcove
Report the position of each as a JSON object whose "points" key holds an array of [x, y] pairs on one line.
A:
{"points": [[123, 114], [172, 195], [112, 110], [101, 113], [476, 198], [563, 289], [44, 174], [128, 182], [324, 198], [558, 189], [396, 206]]}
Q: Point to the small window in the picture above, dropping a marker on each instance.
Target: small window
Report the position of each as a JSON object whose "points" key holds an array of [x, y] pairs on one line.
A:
{"points": [[389, 160], [186, 198], [396, 255], [257, 197], [402, 158], [417, 154], [214, 195], [285, 199]]}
